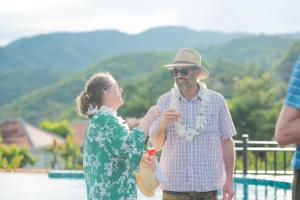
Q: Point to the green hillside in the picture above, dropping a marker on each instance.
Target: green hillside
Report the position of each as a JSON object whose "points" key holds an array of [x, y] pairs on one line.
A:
{"points": [[74, 51], [25, 63], [259, 51], [14, 84], [52, 101], [143, 79], [283, 67], [251, 72], [262, 48]]}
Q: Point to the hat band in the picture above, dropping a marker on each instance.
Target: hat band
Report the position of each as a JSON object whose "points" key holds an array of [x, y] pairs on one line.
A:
{"points": [[185, 62]]}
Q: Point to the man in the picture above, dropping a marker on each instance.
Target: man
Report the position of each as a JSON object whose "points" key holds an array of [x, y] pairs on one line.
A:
{"points": [[288, 125], [195, 133]]}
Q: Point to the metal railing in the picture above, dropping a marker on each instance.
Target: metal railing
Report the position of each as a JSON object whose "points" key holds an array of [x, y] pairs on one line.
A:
{"points": [[263, 152]]}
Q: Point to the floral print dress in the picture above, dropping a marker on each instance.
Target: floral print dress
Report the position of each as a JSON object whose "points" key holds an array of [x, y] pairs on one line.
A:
{"points": [[111, 157]]}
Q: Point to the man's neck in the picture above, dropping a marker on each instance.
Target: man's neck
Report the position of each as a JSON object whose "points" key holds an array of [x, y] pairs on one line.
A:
{"points": [[190, 93]]}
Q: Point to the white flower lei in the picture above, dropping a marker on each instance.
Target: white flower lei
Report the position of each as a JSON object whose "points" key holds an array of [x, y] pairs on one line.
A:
{"points": [[108, 111], [200, 118]]}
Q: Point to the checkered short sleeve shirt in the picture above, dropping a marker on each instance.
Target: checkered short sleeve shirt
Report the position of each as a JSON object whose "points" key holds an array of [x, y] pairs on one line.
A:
{"points": [[196, 165], [293, 100]]}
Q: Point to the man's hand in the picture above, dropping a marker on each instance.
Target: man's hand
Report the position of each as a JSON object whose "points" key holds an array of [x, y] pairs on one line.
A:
{"points": [[169, 115], [227, 190]]}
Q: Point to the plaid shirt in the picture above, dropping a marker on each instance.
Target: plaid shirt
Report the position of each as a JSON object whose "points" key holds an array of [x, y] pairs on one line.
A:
{"points": [[195, 165]]}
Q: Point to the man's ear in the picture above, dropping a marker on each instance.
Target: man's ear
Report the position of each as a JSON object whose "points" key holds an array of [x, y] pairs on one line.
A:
{"points": [[198, 72]]}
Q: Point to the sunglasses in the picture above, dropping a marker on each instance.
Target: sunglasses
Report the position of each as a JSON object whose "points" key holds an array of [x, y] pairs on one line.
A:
{"points": [[183, 72]]}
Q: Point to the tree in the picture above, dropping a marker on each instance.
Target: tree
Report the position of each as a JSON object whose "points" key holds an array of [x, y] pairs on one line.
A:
{"points": [[255, 106], [69, 153], [54, 151], [62, 128], [13, 156]]}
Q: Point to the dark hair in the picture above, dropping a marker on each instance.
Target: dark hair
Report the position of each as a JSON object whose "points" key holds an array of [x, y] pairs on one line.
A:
{"points": [[93, 93]]}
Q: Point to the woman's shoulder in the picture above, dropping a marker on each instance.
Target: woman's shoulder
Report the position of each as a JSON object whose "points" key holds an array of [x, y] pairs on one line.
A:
{"points": [[103, 117], [103, 113]]}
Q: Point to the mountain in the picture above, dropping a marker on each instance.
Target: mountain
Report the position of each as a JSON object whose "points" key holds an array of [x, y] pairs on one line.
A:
{"points": [[144, 79], [74, 51], [171, 38], [54, 65], [282, 69], [262, 48], [69, 51], [52, 101], [14, 84], [32, 63]]}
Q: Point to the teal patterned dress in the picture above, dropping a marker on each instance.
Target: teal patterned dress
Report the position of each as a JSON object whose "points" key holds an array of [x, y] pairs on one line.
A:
{"points": [[111, 157]]}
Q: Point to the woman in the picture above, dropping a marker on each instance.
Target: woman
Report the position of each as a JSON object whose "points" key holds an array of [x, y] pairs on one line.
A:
{"points": [[112, 153]]}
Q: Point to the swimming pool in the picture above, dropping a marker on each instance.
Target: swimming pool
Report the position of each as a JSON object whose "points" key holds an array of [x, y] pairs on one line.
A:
{"points": [[38, 186]]}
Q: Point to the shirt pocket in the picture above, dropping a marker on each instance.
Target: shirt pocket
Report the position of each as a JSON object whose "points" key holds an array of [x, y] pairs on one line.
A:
{"points": [[211, 125]]}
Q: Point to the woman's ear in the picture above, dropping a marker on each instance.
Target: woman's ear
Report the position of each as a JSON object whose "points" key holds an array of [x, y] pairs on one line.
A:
{"points": [[106, 93]]}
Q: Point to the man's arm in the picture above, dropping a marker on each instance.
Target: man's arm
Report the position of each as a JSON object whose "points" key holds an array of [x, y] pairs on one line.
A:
{"points": [[288, 126], [228, 157], [229, 162]]}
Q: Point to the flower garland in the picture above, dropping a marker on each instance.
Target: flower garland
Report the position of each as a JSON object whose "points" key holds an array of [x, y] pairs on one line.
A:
{"points": [[107, 111], [200, 118]]}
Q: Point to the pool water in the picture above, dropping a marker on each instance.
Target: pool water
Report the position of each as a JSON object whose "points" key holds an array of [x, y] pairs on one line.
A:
{"points": [[29, 186], [261, 192]]}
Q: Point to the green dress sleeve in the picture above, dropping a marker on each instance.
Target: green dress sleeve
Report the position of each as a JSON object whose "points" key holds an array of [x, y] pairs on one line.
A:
{"points": [[117, 140]]}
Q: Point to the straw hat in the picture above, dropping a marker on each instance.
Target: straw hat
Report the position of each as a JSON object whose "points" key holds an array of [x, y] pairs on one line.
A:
{"points": [[187, 58], [146, 180]]}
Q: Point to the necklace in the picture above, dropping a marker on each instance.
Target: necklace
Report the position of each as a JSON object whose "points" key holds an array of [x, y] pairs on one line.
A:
{"points": [[200, 117], [107, 111]]}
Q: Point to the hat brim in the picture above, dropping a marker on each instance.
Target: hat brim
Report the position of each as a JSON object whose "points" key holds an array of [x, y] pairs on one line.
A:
{"points": [[146, 180], [204, 71]]}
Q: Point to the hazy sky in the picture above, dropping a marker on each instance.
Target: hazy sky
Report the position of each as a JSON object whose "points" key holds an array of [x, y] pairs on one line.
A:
{"points": [[21, 18]]}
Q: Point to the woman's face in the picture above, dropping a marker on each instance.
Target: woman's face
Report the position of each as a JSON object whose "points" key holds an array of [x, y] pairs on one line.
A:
{"points": [[113, 95]]}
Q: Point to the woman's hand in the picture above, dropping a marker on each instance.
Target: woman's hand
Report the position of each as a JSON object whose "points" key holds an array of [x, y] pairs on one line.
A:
{"points": [[150, 116], [149, 160]]}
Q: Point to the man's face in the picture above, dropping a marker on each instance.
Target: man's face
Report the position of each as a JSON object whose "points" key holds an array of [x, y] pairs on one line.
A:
{"points": [[185, 77]]}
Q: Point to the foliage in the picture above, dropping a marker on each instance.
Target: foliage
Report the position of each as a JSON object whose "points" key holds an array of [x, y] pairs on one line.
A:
{"points": [[12, 156], [265, 161], [69, 153], [244, 71], [54, 151], [139, 96], [282, 68], [31, 63], [61, 128], [16, 83], [260, 49], [255, 106]]}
